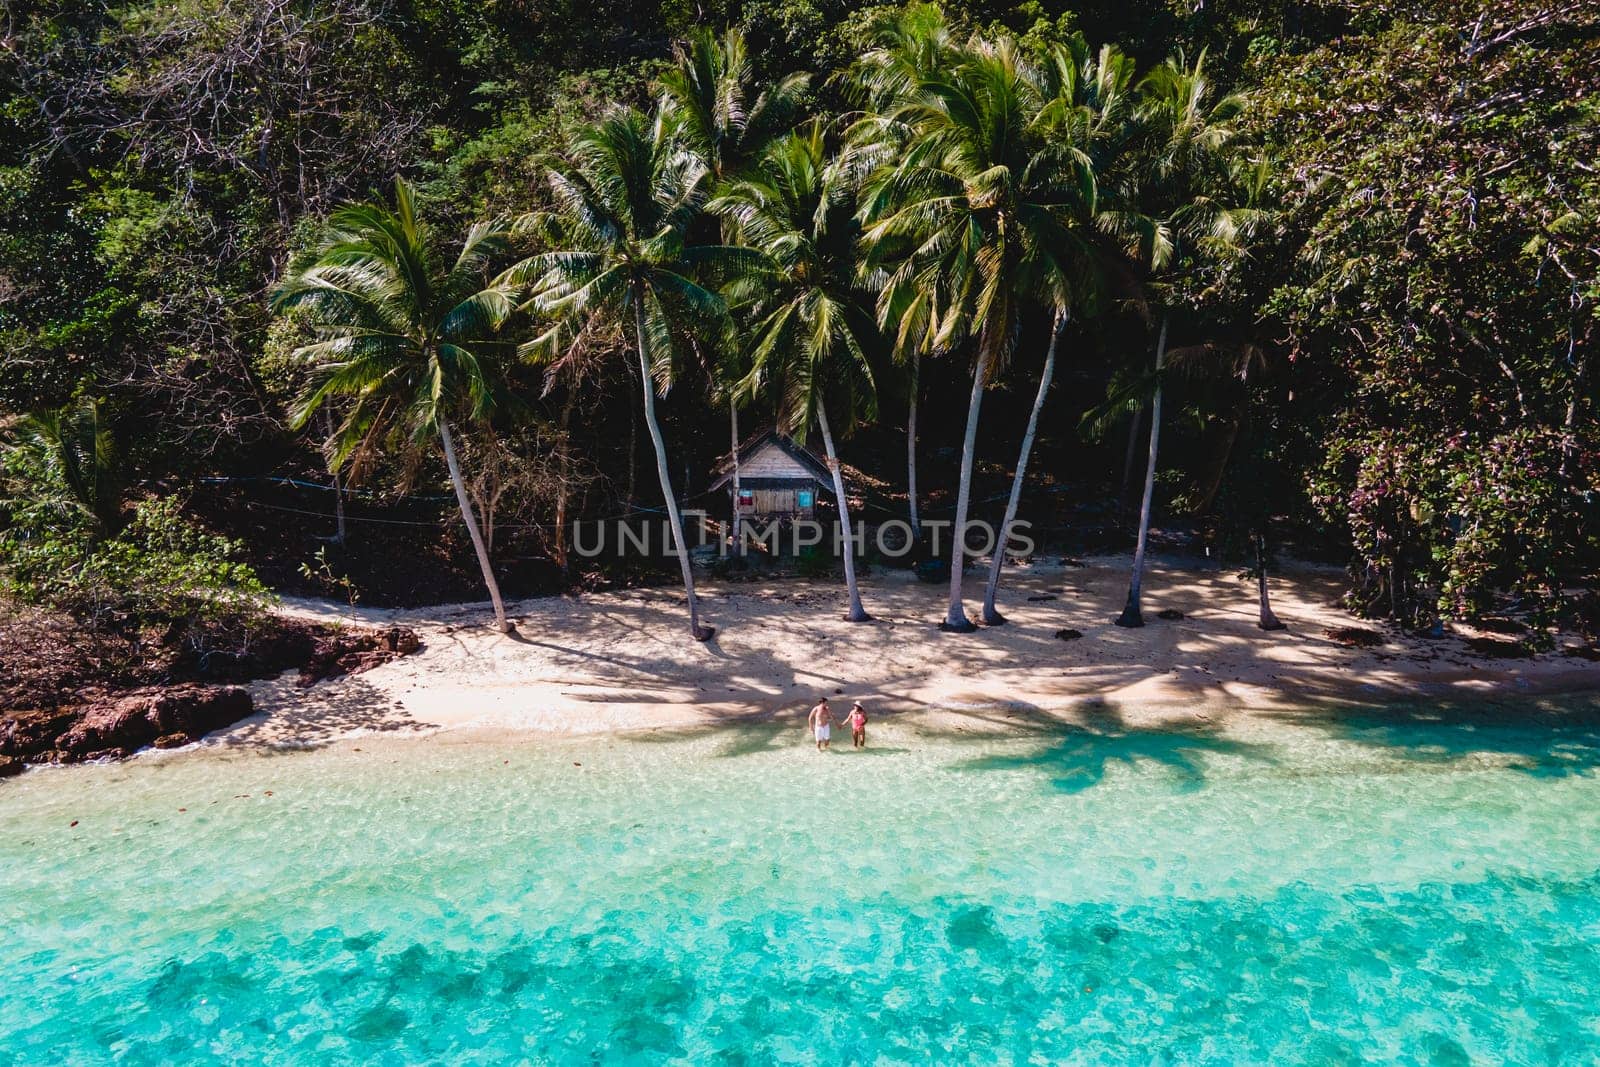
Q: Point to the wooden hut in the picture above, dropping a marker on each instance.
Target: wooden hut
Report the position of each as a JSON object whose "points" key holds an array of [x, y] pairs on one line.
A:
{"points": [[778, 478]]}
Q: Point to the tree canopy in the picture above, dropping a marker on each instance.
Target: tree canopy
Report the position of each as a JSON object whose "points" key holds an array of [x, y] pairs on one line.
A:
{"points": [[1380, 300]]}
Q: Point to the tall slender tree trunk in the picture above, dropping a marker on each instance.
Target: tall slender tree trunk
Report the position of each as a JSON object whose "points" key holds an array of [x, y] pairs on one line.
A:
{"points": [[338, 509], [955, 618], [1214, 485], [1131, 615], [1133, 450], [471, 520], [1219, 468], [338, 486], [701, 633], [633, 451], [991, 615], [733, 434], [857, 612], [1569, 446], [911, 444], [1267, 620], [563, 493]]}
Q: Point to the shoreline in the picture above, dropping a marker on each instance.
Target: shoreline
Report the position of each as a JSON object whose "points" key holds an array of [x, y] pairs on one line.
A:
{"points": [[622, 662]]}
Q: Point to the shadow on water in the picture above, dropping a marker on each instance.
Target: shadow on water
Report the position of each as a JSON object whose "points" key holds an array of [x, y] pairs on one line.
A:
{"points": [[1553, 738], [754, 738], [1075, 756], [1072, 750]]}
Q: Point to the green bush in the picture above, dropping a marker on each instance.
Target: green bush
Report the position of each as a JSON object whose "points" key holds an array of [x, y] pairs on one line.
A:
{"points": [[160, 568]]}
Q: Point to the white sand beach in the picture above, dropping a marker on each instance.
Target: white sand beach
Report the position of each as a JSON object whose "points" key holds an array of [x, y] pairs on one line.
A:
{"points": [[623, 661]]}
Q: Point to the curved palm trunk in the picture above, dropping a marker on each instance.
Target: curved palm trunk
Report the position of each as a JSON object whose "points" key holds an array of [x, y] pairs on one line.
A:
{"points": [[471, 520], [991, 615], [857, 612], [955, 618], [1267, 621], [1131, 615], [1214, 486], [701, 633], [911, 445]]}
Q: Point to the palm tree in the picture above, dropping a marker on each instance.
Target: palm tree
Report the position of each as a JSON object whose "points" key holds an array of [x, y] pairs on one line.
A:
{"points": [[1184, 214], [1266, 619], [1248, 452], [909, 45], [1082, 127], [987, 226], [991, 614], [728, 118], [1131, 615], [624, 203], [723, 111], [74, 445], [402, 332], [913, 394], [811, 333]]}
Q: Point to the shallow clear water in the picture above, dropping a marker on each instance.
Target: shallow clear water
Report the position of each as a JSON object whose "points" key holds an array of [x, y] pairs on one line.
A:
{"points": [[1396, 889]]}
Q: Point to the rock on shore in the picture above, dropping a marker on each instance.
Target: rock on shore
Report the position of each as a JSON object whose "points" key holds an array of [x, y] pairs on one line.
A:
{"points": [[115, 725], [353, 652]]}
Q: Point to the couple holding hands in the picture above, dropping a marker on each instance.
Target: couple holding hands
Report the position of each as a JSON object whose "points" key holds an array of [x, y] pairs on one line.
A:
{"points": [[820, 723]]}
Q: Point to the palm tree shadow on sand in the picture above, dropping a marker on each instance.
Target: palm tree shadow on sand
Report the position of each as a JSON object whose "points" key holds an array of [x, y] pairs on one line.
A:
{"points": [[1074, 757]]}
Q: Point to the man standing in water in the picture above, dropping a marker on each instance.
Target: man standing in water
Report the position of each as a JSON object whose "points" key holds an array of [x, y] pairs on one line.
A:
{"points": [[821, 723]]}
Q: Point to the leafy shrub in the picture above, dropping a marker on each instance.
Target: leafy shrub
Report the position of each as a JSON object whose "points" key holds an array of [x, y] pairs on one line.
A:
{"points": [[1444, 526], [160, 568]]}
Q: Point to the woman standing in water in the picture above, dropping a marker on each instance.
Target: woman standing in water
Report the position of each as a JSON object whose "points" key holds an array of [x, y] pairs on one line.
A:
{"points": [[858, 724]]}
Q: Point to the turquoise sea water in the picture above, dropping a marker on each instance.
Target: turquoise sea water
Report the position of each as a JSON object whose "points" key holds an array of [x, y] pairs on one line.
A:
{"points": [[1412, 887]]}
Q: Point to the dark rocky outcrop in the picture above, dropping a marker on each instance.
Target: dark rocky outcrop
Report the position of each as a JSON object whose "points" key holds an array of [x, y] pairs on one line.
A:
{"points": [[26, 734], [106, 722], [10, 765], [355, 651], [124, 722]]}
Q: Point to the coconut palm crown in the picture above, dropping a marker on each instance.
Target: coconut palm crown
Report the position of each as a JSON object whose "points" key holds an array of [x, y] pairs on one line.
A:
{"points": [[723, 112]]}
